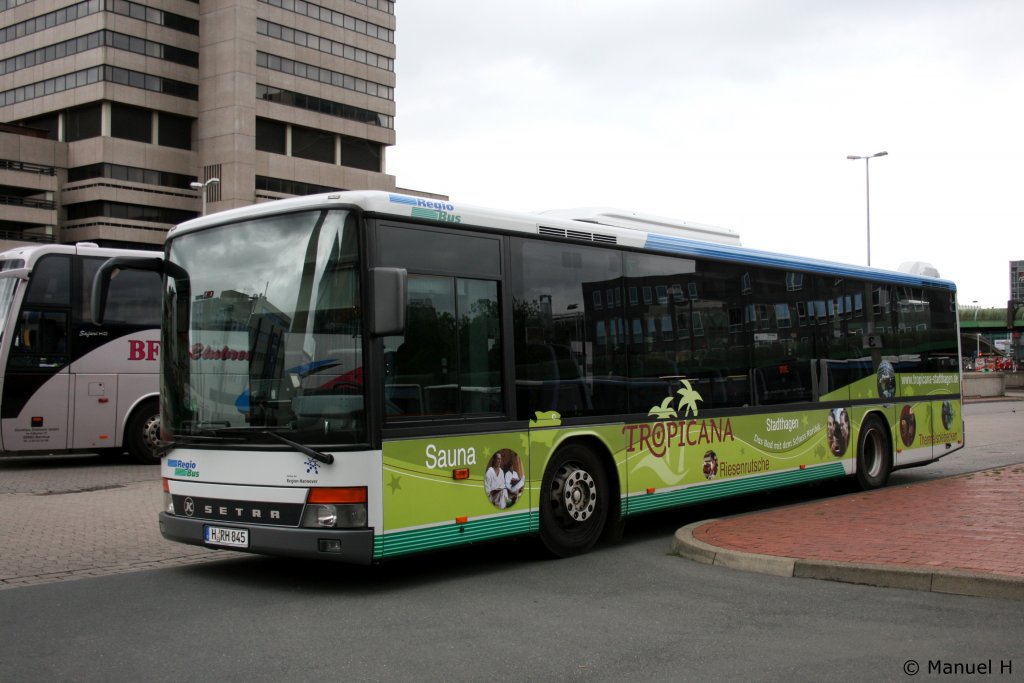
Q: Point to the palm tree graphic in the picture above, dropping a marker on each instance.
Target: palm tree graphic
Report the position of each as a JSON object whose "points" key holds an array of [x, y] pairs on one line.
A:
{"points": [[665, 410], [688, 398]]}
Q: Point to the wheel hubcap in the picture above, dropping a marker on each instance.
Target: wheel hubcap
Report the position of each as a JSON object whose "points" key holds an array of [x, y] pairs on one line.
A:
{"points": [[151, 433], [577, 492]]}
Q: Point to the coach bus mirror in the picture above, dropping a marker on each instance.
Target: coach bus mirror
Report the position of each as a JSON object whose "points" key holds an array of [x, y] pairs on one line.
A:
{"points": [[101, 281], [389, 293], [20, 273]]}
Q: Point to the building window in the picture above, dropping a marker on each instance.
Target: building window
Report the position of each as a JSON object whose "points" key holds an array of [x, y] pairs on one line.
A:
{"points": [[383, 5], [271, 136], [344, 111], [266, 28], [174, 131], [782, 315], [82, 123], [92, 41], [78, 10], [296, 187], [130, 173], [337, 18], [131, 123], [48, 122], [358, 153], [131, 212], [96, 74], [315, 73], [316, 145]]}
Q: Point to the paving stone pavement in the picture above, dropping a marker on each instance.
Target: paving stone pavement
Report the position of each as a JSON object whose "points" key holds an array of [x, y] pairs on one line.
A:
{"points": [[81, 518], [65, 474], [962, 534]]}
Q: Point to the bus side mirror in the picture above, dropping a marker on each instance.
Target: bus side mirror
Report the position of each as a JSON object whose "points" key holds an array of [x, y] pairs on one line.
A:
{"points": [[389, 294], [19, 273], [101, 281]]}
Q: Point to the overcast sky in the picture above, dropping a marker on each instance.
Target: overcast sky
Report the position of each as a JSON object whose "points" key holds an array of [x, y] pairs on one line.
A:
{"points": [[735, 113]]}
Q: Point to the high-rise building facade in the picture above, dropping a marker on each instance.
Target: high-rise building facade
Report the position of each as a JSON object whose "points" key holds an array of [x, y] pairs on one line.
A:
{"points": [[1017, 281], [117, 117]]}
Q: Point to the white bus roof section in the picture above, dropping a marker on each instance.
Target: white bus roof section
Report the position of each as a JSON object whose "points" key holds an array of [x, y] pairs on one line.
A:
{"points": [[435, 210], [648, 222], [660, 238], [603, 226], [32, 253]]}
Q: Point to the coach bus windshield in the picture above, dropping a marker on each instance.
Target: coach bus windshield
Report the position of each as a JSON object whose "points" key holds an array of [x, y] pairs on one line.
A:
{"points": [[262, 332], [8, 286]]}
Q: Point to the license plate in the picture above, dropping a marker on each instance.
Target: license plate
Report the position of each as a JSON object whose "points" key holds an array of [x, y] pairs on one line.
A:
{"points": [[235, 538]]}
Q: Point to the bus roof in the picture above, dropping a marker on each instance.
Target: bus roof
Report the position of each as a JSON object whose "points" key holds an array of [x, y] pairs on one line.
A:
{"points": [[30, 253], [612, 227], [602, 215]]}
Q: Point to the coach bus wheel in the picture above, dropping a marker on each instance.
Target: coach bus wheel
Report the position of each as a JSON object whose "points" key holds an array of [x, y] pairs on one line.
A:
{"points": [[143, 434], [574, 501], [874, 454]]}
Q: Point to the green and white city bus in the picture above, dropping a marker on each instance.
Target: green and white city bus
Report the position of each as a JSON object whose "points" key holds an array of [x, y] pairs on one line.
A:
{"points": [[363, 375]]}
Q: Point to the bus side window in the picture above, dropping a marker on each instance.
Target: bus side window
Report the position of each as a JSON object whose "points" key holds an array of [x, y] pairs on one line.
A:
{"points": [[41, 340], [133, 299], [51, 281], [448, 362]]}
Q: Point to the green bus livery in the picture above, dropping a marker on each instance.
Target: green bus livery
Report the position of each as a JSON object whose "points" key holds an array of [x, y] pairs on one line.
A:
{"points": [[364, 375]]}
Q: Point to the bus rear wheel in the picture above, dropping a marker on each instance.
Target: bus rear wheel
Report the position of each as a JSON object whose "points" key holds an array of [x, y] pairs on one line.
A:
{"points": [[574, 501], [142, 436], [874, 454]]}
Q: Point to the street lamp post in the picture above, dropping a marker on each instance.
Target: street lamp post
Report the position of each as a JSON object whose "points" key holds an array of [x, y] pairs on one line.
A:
{"points": [[202, 188], [977, 350], [867, 189]]}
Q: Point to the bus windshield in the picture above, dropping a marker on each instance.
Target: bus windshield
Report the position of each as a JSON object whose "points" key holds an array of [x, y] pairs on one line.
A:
{"points": [[262, 332], [8, 286]]}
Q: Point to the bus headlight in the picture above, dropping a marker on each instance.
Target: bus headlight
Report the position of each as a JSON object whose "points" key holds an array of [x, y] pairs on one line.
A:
{"points": [[335, 508], [334, 516], [326, 515]]}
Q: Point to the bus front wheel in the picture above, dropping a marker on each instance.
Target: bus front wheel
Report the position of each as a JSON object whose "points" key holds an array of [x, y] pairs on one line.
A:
{"points": [[874, 454], [142, 436], [574, 501]]}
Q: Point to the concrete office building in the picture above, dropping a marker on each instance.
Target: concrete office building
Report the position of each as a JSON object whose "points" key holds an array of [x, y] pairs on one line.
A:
{"points": [[112, 110]]}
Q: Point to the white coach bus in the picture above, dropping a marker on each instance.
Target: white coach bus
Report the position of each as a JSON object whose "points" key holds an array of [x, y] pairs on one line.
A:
{"points": [[67, 385]]}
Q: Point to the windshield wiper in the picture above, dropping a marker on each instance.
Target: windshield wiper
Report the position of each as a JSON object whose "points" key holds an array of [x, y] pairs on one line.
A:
{"points": [[325, 458], [238, 434], [194, 440]]}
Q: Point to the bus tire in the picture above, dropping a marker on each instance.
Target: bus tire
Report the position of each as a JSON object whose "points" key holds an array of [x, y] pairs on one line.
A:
{"points": [[874, 454], [142, 435], [574, 501]]}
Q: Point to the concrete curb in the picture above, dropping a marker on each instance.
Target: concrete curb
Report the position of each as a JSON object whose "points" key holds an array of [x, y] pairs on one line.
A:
{"points": [[914, 578]]}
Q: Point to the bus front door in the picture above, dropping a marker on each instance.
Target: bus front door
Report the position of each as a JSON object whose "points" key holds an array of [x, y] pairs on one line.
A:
{"points": [[34, 405]]}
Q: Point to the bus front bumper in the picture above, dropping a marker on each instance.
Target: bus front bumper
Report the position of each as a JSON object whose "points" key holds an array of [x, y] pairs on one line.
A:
{"points": [[344, 545]]}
